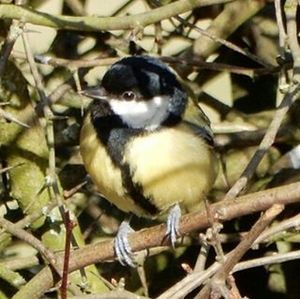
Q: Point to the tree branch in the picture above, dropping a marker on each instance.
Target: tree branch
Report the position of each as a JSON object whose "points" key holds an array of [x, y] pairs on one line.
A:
{"points": [[92, 23], [155, 236]]}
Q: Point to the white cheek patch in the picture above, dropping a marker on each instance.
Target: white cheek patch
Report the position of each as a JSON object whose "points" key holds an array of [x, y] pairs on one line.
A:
{"points": [[141, 114]]}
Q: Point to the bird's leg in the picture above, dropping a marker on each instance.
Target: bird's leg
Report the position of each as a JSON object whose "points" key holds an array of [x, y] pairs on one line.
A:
{"points": [[122, 247], [173, 223]]}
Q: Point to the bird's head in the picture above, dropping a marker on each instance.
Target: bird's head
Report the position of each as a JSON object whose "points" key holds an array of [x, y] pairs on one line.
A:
{"points": [[141, 91]]}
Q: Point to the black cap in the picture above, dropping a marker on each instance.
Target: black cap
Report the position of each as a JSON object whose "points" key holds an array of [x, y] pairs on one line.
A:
{"points": [[148, 75]]}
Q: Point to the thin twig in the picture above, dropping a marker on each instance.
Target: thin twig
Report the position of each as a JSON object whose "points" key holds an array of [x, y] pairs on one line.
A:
{"points": [[142, 275], [192, 281], [266, 142], [71, 192], [281, 27], [79, 63], [9, 117], [213, 232], [195, 279], [236, 254], [31, 240], [30, 218], [231, 17], [5, 169], [271, 232], [283, 78], [112, 295], [195, 63], [52, 177], [217, 39], [202, 257], [290, 9], [64, 281], [15, 30], [268, 260], [291, 95]]}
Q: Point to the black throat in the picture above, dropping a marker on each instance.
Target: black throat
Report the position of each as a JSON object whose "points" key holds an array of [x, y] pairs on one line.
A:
{"points": [[114, 135]]}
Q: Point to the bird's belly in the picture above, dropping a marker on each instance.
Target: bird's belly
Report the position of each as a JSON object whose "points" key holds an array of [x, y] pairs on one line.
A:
{"points": [[172, 166], [106, 176]]}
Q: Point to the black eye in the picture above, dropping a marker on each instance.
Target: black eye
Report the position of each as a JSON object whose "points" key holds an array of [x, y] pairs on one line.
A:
{"points": [[128, 95]]}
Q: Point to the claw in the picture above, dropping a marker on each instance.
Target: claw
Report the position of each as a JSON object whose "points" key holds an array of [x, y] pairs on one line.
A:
{"points": [[173, 223], [122, 247]]}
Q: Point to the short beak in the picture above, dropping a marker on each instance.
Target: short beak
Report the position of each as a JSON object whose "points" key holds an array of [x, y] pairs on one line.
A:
{"points": [[95, 93]]}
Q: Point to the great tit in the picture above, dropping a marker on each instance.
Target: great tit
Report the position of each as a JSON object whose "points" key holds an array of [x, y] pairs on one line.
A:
{"points": [[146, 146]]}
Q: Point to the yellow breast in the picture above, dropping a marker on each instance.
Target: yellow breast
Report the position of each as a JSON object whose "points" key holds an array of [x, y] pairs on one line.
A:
{"points": [[172, 166]]}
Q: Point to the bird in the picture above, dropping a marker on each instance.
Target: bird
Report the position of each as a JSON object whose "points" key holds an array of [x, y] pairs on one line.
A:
{"points": [[146, 145]]}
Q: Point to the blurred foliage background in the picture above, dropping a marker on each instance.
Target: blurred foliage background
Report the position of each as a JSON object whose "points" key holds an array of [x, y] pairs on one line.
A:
{"points": [[236, 59]]}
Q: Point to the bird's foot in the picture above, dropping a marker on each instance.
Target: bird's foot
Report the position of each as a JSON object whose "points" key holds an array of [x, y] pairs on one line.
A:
{"points": [[122, 247], [173, 224]]}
